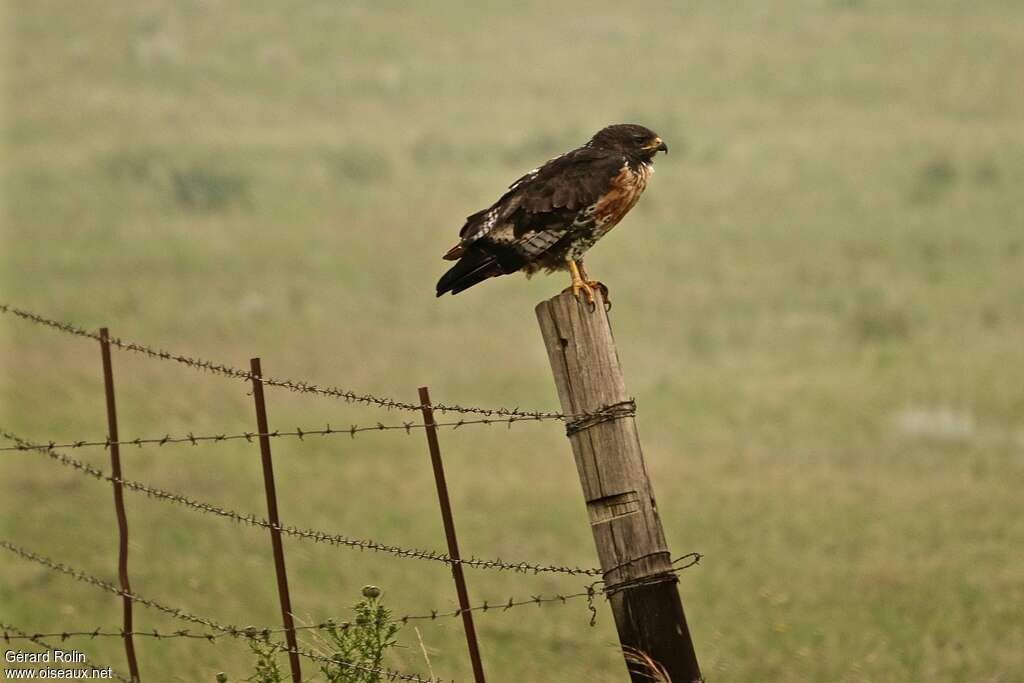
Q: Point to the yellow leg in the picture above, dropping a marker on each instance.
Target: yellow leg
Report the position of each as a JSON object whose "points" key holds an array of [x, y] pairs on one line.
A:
{"points": [[595, 284], [578, 284]]}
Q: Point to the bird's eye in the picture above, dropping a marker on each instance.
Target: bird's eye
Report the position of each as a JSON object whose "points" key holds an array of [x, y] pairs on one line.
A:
{"points": [[640, 138]]}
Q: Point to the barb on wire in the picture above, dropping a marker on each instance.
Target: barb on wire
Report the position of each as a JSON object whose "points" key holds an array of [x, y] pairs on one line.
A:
{"points": [[11, 632], [590, 592], [614, 411], [298, 432], [226, 629], [678, 565], [309, 534], [301, 387]]}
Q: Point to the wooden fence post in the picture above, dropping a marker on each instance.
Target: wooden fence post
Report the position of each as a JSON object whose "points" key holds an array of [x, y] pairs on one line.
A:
{"points": [[624, 519], [122, 517]]}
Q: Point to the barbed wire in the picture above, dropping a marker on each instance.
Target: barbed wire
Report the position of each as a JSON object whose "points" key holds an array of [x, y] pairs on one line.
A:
{"points": [[590, 592], [298, 432], [615, 411], [226, 629], [37, 638], [308, 534], [301, 387]]}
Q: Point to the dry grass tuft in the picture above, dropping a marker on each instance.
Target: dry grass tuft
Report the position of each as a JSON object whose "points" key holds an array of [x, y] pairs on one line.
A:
{"points": [[640, 662]]}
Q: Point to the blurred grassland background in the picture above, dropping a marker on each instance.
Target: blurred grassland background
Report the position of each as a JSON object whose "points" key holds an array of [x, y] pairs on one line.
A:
{"points": [[819, 305]]}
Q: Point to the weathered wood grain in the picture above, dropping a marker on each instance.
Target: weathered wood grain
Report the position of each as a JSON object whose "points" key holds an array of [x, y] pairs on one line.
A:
{"points": [[623, 514]]}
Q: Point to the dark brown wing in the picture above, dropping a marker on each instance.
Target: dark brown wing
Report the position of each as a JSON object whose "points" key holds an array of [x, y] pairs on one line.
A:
{"points": [[548, 197], [532, 217], [573, 181]]}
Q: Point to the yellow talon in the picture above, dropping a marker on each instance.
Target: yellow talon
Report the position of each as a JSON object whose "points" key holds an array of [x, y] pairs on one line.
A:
{"points": [[579, 284], [582, 283], [595, 284]]}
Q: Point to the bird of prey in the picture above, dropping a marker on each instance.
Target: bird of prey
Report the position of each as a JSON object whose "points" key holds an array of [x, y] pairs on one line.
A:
{"points": [[551, 216]]}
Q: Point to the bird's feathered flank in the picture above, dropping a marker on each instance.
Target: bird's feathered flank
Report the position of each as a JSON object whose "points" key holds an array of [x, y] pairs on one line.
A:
{"points": [[556, 211]]}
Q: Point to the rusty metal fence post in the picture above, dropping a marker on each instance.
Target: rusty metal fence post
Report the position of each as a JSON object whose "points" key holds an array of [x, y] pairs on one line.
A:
{"points": [[430, 428], [122, 517], [275, 523]]}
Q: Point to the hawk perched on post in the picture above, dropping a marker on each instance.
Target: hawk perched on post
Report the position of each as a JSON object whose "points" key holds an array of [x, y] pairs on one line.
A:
{"points": [[552, 215]]}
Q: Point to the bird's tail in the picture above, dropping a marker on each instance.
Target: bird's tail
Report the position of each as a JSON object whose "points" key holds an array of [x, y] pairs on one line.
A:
{"points": [[474, 267]]}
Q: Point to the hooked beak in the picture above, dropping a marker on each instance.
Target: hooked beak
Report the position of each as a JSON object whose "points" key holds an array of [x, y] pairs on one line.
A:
{"points": [[657, 145]]}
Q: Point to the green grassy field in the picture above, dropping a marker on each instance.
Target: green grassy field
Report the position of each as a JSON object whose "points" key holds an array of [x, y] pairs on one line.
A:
{"points": [[819, 307]]}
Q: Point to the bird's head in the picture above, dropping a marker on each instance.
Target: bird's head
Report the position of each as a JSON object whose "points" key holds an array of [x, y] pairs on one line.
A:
{"points": [[630, 139]]}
